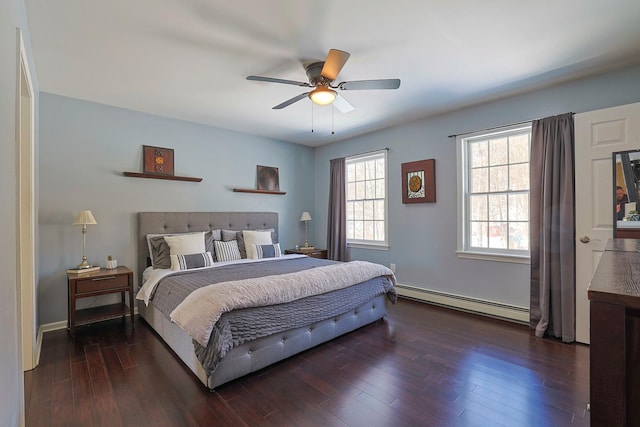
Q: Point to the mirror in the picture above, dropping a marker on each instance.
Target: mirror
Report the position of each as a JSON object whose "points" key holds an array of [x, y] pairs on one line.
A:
{"points": [[626, 183]]}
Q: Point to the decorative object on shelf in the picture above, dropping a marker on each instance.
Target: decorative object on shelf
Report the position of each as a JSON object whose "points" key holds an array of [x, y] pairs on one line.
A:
{"points": [[158, 160], [306, 217], [84, 218], [111, 263], [419, 181], [268, 178]]}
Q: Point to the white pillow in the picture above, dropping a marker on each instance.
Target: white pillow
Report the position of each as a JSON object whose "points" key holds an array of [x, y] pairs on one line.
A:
{"points": [[253, 238], [186, 244]]}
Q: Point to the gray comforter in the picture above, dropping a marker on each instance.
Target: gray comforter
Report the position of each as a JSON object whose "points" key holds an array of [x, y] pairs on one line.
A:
{"points": [[239, 326]]}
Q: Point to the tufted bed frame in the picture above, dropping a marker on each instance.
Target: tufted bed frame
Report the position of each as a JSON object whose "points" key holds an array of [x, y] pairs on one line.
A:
{"points": [[251, 356]]}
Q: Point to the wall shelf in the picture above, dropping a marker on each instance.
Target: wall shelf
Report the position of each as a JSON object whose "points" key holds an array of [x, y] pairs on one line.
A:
{"points": [[168, 177], [249, 190]]}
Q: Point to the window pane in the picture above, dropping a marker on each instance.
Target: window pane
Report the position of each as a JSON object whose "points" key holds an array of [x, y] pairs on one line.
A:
{"points": [[351, 172], [480, 180], [478, 208], [370, 190], [479, 235], [479, 153], [351, 191], [379, 229], [518, 207], [358, 210], [519, 235], [380, 189], [519, 177], [498, 235], [368, 209], [379, 210], [371, 169], [498, 178], [369, 230], [497, 207], [498, 153], [358, 230], [350, 211], [519, 148], [360, 190], [380, 168], [360, 171]]}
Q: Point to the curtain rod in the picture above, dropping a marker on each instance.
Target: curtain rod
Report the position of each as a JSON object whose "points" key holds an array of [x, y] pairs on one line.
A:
{"points": [[502, 126], [368, 152]]}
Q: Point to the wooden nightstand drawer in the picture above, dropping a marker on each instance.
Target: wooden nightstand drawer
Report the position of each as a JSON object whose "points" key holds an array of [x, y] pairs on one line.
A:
{"points": [[313, 253], [98, 284]]}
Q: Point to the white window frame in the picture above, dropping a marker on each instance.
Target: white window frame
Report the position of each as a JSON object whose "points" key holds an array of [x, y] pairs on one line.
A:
{"points": [[463, 248], [371, 244]]}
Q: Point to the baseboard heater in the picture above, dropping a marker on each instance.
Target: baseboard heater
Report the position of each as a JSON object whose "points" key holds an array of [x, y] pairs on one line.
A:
{"points": [[472, 305]]}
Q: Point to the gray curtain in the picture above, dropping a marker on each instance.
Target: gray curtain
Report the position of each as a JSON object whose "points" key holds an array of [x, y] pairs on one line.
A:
{"points": [[337, 218], [552, 221]]}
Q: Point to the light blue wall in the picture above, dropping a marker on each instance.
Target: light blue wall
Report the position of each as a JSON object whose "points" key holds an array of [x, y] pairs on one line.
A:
{"points": [[423, 236], [85, 147], [12, 16]]}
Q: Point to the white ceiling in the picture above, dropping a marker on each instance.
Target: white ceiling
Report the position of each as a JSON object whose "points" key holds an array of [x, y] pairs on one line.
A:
{"points": [[188, 59]]}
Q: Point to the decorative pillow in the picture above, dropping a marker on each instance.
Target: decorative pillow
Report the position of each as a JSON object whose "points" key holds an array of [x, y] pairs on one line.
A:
{"points": [[237, 235], [253, 238], [159, 250], [226, 251], [267, 251], [186, 262], [185, 244]]}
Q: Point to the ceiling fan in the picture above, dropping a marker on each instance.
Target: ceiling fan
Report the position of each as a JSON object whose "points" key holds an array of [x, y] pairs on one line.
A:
{"points": [[321, 77]]}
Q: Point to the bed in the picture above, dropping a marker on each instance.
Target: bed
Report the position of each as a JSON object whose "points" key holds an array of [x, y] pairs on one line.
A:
{"points": [[319, 318]]}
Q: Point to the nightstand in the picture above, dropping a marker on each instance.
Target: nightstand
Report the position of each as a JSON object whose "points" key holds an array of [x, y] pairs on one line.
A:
{"points": [[313, 253], [102, 282]]}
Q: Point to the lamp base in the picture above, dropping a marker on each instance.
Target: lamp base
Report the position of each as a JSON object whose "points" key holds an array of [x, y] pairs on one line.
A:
{"points": [[84, 264]]}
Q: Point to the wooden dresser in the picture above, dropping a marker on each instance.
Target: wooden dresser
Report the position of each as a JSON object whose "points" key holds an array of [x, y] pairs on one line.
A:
{"points": [[614, 298]]}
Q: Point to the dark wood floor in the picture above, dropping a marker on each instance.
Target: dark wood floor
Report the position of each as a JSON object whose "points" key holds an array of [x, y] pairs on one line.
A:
{"points": [[423, 365]]}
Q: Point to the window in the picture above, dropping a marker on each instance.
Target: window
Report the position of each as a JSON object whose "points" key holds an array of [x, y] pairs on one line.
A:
{"points": [[367, 199], [494, 194]]}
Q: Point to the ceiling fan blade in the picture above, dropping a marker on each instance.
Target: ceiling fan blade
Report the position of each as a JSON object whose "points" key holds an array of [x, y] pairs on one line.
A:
{"points": [[283, 81], [334, 63], [290, 101], [342, 104], [370, 84]]}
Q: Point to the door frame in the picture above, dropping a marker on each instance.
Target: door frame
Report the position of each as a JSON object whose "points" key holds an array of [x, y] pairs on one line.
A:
{"points": [[25, 209]]}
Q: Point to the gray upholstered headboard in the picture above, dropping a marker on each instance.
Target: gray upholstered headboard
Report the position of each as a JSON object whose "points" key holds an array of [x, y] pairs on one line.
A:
{"points": [[184, 222]]}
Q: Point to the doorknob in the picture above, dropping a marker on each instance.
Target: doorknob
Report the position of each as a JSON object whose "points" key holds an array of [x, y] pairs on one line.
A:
{"points": [[585, 239]]}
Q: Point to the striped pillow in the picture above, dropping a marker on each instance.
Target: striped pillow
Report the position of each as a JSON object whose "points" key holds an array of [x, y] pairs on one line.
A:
{"points": [[267, 251], [186, 262], [227, 251]]}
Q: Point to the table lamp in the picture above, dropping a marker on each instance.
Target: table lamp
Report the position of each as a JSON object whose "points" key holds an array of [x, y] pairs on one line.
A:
{"points": [[83, 218], [306, 217]]}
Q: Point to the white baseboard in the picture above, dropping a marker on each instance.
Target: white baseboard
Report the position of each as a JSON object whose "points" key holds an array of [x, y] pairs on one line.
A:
{"points": [[459, 302]]}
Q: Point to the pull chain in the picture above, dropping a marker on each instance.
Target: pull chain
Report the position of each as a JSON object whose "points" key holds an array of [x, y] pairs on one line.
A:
{"points": [[311, 117], [332, 108]]}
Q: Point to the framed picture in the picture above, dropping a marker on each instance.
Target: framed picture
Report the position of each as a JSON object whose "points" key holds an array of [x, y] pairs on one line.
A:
{"points": [[268, 178], [158, 160], [419, 181]]}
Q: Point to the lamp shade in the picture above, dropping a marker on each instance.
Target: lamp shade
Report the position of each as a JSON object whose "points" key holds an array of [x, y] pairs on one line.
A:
{"points": [[322, 95], [84, 217], [306, 216]]}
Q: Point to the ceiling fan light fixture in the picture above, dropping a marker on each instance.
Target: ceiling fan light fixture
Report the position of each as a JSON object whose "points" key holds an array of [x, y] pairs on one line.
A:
{"points": [[322, 95]]}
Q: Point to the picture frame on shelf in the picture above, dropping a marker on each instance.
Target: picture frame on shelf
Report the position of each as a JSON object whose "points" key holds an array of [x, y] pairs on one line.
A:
{"points": [[268, 178], [158, 160], [419, 181]]}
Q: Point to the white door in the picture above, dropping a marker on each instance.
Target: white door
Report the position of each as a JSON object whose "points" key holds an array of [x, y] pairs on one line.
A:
{"points": [[598, 134]]}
